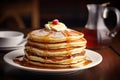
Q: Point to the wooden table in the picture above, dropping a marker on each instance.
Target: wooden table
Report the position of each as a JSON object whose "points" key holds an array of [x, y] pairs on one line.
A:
{"points": [[108, 69]]}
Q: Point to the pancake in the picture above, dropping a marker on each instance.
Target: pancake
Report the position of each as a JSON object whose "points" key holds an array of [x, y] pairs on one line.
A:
{"points": [[57, 60], [55, 46], [54, 52], [44, 35], [79, 42], [79, 64]]}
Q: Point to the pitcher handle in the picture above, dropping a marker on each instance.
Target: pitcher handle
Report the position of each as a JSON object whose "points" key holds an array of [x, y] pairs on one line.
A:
{"points": [[117, 12]]}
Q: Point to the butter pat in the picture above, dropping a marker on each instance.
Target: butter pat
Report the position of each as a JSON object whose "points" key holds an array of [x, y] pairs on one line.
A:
{"points": [[57, 27]]}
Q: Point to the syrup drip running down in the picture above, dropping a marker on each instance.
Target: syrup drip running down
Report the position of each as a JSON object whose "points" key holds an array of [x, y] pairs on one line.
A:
{"points": [[46, 44], [66, 33]]}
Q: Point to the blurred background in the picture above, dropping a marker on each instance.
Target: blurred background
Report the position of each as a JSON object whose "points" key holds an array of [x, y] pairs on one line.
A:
{"points": [[33, 14]]}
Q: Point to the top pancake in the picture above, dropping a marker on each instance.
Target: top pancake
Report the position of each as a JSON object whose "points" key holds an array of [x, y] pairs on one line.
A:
{"points": [[51, 36]]}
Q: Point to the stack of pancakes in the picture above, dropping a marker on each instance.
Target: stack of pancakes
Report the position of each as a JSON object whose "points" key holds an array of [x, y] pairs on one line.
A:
{"points": [[55, 49]]}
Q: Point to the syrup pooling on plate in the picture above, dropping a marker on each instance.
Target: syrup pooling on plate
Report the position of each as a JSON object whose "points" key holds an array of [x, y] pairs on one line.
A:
{"points": [[55, 46], [19, 60]]}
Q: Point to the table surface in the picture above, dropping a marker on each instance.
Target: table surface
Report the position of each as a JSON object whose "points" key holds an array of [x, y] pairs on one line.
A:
{"points": [[108, 69]]}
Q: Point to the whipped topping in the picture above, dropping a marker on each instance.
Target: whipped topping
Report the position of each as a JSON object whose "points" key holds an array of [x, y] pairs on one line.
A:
{"points": [[55, 25]]}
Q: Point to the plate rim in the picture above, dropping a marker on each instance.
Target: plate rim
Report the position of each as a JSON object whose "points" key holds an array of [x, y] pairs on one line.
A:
{"points": [[10, 61]]}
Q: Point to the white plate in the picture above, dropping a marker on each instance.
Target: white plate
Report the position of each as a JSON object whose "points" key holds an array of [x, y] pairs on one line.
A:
{"points": [[92, 55]]}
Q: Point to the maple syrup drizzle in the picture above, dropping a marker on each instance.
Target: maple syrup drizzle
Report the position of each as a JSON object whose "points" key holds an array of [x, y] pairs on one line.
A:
{"points": [[67, 35], [46, 38], [46, 44], [87, 62]]}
